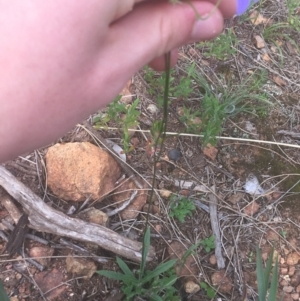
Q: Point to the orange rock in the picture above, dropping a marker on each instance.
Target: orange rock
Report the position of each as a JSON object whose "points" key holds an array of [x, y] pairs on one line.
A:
{"points": [[77, 171], [222, 281], [292, 258], [40, 253], [50, 281], [80, 266]]}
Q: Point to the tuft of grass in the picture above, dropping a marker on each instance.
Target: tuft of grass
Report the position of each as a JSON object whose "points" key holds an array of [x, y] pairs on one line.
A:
{"points": [[267, 278], [155, 285]]}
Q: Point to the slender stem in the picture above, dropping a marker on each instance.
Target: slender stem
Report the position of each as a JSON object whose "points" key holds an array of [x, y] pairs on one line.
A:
{"points": [[159, 140]]}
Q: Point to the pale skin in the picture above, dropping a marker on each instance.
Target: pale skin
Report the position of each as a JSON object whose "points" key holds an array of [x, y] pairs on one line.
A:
{"points": [[63, 60]]}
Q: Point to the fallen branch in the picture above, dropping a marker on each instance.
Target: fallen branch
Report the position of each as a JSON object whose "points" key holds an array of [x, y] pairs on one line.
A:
{"points": [[46, 219], [215, 228]]}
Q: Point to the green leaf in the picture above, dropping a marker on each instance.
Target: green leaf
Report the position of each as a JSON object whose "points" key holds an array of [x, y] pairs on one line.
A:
{"points": [[210, 292], [146, 245], [262, 290], [267, 271], [3, 295], [274, 283], [159, 270], [116, 276], [124, 267]]}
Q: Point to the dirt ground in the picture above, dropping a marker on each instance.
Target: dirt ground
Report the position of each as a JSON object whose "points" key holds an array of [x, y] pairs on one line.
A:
{"points": [[269, 219]]}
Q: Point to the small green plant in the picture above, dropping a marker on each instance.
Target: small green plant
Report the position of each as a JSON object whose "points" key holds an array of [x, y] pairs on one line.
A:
{"points": [[212, 118], [210, 292], [293, 18], [180, 88], [181, 207], [267, 278], [3, 295], [155, 285], [208, 243], [283, 233], [229, 100], [222, 47], [126, 116]]}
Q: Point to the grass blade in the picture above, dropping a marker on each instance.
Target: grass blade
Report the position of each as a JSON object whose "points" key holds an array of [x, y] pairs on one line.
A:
{"points": [[115, 276], [124, 267], [159, 270], [267, 271], [146, 245], [274, 283], [262, 289]]}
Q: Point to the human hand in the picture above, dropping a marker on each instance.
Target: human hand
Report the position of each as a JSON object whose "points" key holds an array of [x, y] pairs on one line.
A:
{"points": [[63, 60]]}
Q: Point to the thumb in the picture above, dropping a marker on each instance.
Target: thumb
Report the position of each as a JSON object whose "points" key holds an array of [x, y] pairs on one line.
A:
{"points": [[153, 29]]}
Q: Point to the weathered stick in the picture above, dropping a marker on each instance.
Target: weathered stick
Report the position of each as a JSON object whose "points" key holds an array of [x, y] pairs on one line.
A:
{"points": [[215, 228], [46, 219]]}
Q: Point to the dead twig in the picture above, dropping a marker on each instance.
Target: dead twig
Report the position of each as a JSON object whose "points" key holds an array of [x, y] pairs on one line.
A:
{"points": [[46, 219], [215, 228]]}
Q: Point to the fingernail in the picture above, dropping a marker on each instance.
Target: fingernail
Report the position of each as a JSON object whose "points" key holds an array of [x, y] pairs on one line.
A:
{"points": [[209, 28], [243, 5]]}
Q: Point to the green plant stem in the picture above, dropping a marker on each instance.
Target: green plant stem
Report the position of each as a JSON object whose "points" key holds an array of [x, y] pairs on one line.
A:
{"points": [[160, 138]]}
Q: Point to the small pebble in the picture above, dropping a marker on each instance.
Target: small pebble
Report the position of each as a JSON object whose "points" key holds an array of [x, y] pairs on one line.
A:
{"points": [[174, 154]]}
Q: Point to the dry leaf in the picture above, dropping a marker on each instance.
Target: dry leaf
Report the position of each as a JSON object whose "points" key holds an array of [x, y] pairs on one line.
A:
{"points": [[210, 152], [165, 193], [126, 94], [266, 57], [290, 48], [258, 42], [279, 81], [256, 18], [251, 209]]}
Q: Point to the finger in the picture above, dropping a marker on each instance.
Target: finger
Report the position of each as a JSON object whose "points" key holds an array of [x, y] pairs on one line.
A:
{"points": [[153, 29], [159, 63], [124, 7], [227, 7]]}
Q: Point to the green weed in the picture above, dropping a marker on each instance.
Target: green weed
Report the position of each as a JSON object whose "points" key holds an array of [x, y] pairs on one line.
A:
{"points": [[179, 88], [222, 47], [210, 292], [155, 285], [181, 207], [208, 243], [125, 116], [267, 278], [229, 100], [293, 18]]}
